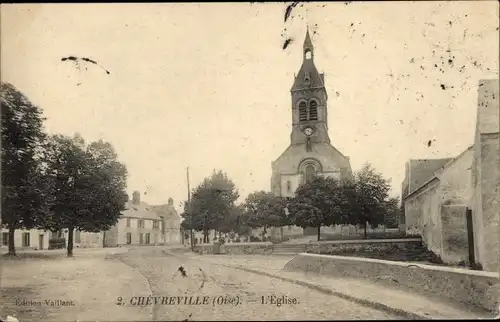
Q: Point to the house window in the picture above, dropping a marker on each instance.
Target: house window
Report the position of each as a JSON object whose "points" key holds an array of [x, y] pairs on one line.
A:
{"points": [[140, 223], [313, 111], [156, 224], [5, 239], [302, 111], [289, 186], [148, 238], [26, 239], [128, 222], [129, 238]]}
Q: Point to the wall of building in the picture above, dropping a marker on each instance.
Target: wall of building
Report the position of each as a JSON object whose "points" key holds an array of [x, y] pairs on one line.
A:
{"points": [[486, 177], [455, 238], [417, 205], [83, 239], [294, 179], [485, 201], [423, 217], [135, 231], [455, 184], [34, 239]]}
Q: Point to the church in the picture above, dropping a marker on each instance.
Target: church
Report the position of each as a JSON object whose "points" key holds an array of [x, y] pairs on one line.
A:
{"points": [[310, 152]]}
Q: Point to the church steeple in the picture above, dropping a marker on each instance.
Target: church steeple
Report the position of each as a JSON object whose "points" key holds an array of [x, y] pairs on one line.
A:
{"points": [[309, 102], [308, 46], [308, 76]]}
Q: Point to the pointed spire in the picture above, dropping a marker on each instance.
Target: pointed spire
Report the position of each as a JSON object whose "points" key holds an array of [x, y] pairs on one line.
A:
{"points": [[307, 42]]}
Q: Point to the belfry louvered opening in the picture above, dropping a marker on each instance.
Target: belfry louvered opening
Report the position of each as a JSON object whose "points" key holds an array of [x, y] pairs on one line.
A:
{"points": [[313, 111], [302, 111]]}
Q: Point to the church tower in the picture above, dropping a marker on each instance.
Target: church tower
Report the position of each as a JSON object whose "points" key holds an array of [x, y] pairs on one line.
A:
{"points": [[310, 152], [309, 102]]}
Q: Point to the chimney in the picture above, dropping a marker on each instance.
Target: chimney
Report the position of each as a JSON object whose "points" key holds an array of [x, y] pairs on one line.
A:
{"points": [[136, 197], [170, 201]]}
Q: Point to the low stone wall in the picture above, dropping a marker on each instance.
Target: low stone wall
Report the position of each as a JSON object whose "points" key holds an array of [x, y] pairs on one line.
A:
{"points": [[338, 247], [476, 288], [262, 248]]}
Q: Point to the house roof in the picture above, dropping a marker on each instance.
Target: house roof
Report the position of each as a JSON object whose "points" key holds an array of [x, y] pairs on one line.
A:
{"points": [[422, 170], [437, 172], [141, 210], [166, 211]]}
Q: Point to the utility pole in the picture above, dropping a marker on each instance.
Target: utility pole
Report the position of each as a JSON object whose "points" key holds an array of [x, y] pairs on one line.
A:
{"points": [[189, 210]]}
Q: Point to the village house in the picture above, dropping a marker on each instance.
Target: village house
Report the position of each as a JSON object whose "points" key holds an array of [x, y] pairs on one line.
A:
{"points": [[139, 225], [436, 208], [26, 239], [171, 222], [448, 200]]}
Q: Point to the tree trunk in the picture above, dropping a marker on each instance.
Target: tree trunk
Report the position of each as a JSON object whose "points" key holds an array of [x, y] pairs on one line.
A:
{"points": [[366, 235], [205, 236], [12, 247], [70, 241], [220, 235], [319, 232]]}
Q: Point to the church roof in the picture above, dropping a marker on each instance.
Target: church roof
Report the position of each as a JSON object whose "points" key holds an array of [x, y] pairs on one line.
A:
{"points": [[308, 76], [316, 80]]}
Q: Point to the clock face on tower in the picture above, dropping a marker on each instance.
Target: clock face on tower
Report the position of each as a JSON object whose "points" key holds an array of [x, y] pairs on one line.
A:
{"points": [[308, 131]]}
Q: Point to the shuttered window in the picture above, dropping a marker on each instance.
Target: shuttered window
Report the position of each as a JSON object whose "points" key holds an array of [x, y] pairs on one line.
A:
{"points": [[313, 111], [302, 111]]}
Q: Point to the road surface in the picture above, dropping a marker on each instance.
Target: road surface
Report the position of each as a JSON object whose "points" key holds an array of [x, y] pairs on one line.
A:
{"points": [[212, 292]]}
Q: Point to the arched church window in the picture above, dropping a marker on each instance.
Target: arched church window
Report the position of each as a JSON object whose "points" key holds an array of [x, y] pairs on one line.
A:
{"points": [[310, 173], [313, 111], [302, 111], [289, 186]]}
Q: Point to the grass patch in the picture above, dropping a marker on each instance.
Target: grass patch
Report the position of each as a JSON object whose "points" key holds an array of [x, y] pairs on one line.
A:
{"points": [[370, 235]]}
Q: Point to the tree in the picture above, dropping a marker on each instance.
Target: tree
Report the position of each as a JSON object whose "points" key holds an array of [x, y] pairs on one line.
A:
{"points": [[24, 190], [241, 226], [264, 209], [368, 196], [319, 202], [89, 186], [392, 212], [212, 203]]}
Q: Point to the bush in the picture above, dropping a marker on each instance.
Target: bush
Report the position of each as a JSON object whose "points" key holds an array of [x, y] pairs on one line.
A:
{"points": [[57, 243], [254, 239], [238, 240]]}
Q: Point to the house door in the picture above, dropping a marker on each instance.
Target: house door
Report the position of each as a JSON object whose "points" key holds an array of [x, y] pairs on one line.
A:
{"points": [[141, 239], [470, 236], [40, 242]]}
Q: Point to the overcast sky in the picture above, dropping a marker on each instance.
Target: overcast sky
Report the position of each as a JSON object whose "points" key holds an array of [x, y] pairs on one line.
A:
{"points": [[208, 85]]}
